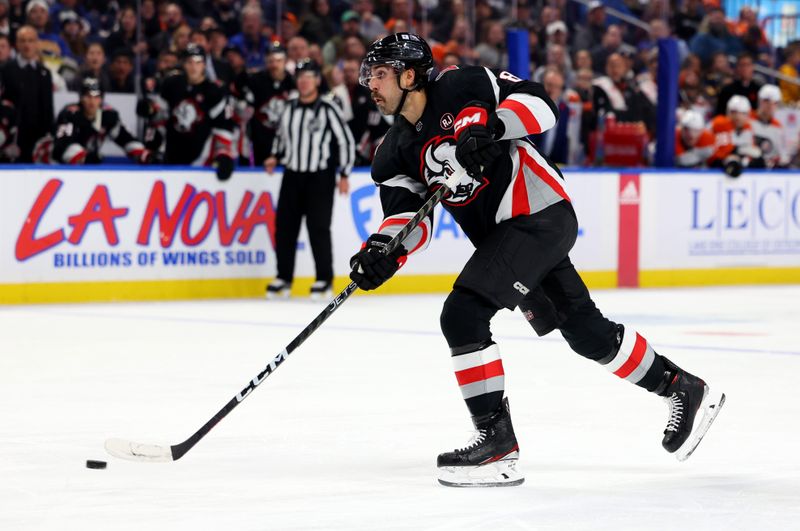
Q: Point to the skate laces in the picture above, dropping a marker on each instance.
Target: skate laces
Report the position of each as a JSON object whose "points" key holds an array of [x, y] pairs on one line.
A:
{"points": [[477, 438], [675, 412]]}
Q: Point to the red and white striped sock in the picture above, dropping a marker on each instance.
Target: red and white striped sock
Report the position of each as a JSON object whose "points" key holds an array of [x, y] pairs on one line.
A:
{"points": [[481, 378]]}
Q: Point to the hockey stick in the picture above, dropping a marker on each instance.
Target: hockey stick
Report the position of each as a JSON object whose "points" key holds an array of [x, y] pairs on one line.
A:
{"points": [[134, 451]]}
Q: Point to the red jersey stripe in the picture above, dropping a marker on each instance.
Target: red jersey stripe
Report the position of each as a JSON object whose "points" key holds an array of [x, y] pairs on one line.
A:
{"points": [[524, 114], [519, 195], [639, 348], [482, 372]]}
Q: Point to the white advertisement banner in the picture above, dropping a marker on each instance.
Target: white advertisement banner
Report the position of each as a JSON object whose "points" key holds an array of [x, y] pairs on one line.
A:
{"points": [[594, 197], [708, 220]]}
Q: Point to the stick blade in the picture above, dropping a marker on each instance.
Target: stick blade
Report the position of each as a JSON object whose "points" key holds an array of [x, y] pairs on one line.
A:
{"points": [[132, 451]]}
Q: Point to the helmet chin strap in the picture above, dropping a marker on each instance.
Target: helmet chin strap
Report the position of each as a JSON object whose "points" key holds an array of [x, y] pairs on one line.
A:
{"points": [[402, 98]]}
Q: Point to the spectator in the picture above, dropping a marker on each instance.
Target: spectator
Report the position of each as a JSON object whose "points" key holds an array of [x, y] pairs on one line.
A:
{"points": [[769, 133], [557, 59], [149, 15], [583, 60], [217, 69], [251, 41], [743, 84], [72, 32], [372, 26], [29, 86], [94, 66], [718, 75], [556, 33], [217, 41], [226, 13], [38, 16], [5, 24], [125, 34], [547, 15], [334, 48], [735, 147], [791, 68], [120, 72], [691, 95], [402, 10], [354, 48], [611, 43], [81, 130], [687, 19], [289, 28], [172, 19], [459, 41], [615, 93], [180, 38], [6, 51], [694, 144], [60, 6], [296, 50], [233, 55], [591, 35], [491, 51], [584, 88], [714, 37], [317, 26], [554, 142]]}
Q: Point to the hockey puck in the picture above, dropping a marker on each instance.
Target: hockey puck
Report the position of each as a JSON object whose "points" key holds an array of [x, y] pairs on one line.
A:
{"points": [[96, 464]]}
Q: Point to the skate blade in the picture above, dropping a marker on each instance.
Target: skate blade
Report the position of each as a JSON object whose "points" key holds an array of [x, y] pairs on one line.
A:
{"points": [[502, 473], [710, 406], [278, 295]]}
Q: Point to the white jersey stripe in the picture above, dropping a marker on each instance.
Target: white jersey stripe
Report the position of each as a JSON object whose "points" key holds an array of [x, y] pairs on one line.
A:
{"points": [[476, 359]]}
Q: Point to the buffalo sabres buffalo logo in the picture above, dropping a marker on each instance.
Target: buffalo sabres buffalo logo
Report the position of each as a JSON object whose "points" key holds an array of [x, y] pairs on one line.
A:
{"points": [[270, 113], [437, 165], [186, 114]]}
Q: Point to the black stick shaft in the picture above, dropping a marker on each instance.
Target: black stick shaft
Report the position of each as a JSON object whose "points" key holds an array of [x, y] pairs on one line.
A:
{"points": [[179, 450]]}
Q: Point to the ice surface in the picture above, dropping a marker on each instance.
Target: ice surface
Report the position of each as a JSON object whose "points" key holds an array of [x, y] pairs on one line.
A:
{"points": [[345, 434]]}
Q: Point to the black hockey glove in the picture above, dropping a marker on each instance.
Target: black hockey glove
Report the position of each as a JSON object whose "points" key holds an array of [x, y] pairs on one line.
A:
{"points": [[224, 167], [371, 267], [476, 130]]}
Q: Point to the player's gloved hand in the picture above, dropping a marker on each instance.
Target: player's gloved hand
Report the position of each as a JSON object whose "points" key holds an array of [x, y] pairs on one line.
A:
{"points": [[145, 157], [475, 130], [732, 165], [371, 267], [224, 167]]}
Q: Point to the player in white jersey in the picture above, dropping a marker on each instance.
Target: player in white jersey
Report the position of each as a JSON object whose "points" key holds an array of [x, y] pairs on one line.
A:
{"points": [[769, 133]]}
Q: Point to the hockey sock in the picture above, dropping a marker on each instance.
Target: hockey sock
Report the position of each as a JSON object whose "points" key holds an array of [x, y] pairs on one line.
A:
{"points": [[633, 359], [479, 372]]}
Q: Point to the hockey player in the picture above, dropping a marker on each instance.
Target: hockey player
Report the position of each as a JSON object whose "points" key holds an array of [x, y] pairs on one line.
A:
{"points": [[694, 144], [267, 91], [82, 128], [767, 130], [199, 129], [513, 208], [734, 141]]}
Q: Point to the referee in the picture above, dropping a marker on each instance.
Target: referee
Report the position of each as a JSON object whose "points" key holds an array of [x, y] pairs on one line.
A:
{"points": [[312, 140]]}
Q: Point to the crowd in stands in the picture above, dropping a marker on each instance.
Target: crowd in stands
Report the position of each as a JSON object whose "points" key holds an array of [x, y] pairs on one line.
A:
{"points": [[599, 70]]}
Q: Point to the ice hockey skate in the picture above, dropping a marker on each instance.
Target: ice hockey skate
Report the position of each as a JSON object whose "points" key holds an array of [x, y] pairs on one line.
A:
{"points": [[321, 290], [687, 396], [489, 459], [278, 289]]}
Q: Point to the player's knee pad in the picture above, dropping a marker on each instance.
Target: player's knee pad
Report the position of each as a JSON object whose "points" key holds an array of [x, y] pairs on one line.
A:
{"points": [[540, 312], [465, 318], [589, 333]]}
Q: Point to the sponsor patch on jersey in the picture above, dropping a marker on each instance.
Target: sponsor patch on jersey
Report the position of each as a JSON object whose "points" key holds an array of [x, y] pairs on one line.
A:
{"points": [[446, 121]]}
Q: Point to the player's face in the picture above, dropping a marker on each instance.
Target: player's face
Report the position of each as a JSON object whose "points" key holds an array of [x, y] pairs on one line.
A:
{"points": [[195, 69], [91, 104], [383, 86], [691, 136], [767, 108], [276, 64], [739, 119]]}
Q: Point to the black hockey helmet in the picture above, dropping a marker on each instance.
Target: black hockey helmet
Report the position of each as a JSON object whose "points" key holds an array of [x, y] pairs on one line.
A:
{"points": [[401, 51], [307, 65], [192, 51], [91, 86]]}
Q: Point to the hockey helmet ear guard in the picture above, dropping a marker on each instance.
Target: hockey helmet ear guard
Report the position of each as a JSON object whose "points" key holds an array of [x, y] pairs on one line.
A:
{"points": [[401, 51]]}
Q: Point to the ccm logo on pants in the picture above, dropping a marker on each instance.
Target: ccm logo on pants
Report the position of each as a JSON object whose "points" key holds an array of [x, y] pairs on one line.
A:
{"points": [[519, 286]]}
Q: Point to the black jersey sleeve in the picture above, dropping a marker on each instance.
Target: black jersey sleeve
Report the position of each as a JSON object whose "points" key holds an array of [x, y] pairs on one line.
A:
{"points": [[522, 106], [67, 147], [221, 115], [401, 196]]}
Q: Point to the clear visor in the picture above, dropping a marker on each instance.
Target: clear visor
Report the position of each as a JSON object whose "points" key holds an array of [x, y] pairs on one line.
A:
{"points": [[378, 71]]}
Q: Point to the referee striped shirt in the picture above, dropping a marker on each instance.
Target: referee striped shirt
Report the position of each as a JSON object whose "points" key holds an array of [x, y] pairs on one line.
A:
{"points": [[307, 134]]}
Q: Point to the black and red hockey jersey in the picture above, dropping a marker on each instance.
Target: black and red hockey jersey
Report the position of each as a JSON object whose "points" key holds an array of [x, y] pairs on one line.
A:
{"points": [[414, 159], [199, 127], [79, 140], [268, 98]]}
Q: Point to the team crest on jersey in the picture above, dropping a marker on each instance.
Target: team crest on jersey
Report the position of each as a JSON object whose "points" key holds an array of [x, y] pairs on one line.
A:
{"points": [[270, 113], [447, 121], [186, 115], [437, 164]]}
